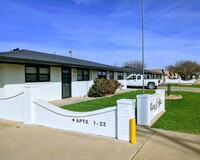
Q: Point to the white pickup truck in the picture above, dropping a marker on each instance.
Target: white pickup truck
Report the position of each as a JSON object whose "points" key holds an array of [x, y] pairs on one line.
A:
{"points": [[136, 80]]}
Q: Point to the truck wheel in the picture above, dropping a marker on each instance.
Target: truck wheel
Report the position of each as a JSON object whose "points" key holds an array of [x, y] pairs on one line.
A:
{"points": [[151, 86]]}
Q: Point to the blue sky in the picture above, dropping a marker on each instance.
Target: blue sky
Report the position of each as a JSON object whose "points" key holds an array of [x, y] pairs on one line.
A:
{"points": [[105, 31]]}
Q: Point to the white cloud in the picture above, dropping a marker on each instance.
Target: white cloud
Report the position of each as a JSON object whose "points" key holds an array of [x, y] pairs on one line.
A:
{"points": [[114, 35], [86, 2]]}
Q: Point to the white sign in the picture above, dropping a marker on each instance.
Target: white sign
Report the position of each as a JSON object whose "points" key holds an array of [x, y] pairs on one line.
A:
{"points": [[149, 106]]}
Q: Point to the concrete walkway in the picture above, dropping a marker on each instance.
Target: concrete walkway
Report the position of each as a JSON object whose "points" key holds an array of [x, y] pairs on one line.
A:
{"points": [[22, 142]]}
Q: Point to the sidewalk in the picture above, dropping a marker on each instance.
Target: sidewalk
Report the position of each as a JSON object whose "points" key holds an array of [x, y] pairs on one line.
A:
{"points": [[22, 142], [170, 145]]}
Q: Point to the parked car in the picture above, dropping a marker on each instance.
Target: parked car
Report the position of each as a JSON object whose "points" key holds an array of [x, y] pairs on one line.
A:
{"points": [[136, 80]]}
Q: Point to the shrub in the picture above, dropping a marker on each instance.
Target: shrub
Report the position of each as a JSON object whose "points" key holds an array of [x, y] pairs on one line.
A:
{"points": [[102, 87], [114, 86]]}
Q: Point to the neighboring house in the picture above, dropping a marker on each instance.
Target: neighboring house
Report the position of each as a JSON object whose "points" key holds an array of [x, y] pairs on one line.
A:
{"points": [[171, 77], [150, 74], [57, 76], [160, 71], [170, 74], [167, 75]]}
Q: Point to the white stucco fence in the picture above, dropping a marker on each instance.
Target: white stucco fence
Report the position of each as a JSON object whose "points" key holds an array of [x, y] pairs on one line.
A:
{"points": [[26, 107], [179, 81], [99, 122], [81, 88], [114, 121], [149, 106], [53, 88], [12, 107]]}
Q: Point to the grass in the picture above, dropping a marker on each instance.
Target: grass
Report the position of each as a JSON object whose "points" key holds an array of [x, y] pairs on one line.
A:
{"points": [[102, 102], [185, 85], [181, 115]]}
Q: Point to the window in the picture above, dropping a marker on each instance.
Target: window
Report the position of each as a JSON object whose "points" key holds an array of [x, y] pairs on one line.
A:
{"points": [[37, 74], [120, 75], [132, 77], [82, 75], [158, 76], [102, 74], [111, 75], [138, 77]]}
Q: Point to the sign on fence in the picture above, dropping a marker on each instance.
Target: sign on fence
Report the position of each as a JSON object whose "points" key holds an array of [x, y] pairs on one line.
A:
{"points": [[149, 106]]}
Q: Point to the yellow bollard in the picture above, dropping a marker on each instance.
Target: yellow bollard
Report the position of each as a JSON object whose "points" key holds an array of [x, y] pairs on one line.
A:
{"points": [[133, 131]]}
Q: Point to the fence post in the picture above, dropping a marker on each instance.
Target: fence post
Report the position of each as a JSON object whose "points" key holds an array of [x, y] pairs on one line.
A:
{"points": [[30, 94], [125, 112]]}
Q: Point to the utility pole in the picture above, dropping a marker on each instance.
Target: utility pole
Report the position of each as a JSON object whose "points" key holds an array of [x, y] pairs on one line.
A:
{"points": [[143, 46]]}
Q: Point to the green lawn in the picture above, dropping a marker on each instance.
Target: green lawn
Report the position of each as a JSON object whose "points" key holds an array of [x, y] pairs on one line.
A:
{"points": [[102, 102], [181, 115], [182, 85]]}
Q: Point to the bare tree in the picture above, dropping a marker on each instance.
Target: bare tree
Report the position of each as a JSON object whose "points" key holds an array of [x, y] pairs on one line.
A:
{"points": [[134, 63], [185, 68]]}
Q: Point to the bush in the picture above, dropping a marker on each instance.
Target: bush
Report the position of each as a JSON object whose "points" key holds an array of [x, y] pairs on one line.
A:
{"points": [[114, 85], [102, 87]]}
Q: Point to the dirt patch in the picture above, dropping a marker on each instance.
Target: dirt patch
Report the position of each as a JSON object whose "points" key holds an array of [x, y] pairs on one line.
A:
{"points": [[198, 81], [173, 97]]}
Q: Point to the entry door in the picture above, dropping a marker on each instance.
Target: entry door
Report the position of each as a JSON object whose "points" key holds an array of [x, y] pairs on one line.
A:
{"points": [[66, 82]]}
